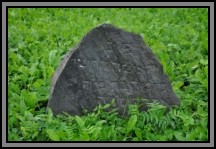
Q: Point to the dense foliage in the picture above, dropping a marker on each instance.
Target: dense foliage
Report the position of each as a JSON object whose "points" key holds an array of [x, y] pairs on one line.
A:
{"points": [[39, 37]]}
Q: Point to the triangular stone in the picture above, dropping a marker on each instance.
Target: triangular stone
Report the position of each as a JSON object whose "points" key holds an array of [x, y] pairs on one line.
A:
{"points": [[108, 63]]}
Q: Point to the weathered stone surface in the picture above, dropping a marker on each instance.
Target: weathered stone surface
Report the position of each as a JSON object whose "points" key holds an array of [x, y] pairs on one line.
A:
{"points": [[108, 63]]}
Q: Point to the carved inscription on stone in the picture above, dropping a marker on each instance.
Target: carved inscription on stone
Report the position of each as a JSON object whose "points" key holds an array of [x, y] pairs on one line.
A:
{"points": [[108, 63]]}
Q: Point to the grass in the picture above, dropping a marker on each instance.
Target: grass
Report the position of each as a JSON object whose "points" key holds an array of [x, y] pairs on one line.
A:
{"points": [[39, 37]]}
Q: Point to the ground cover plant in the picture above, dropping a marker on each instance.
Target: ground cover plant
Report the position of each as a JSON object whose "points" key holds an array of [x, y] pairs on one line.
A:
{"points": [[39, 37]]}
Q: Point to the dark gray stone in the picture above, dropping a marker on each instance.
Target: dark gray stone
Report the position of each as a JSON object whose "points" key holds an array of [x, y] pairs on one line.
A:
{"points": [[108, 63]]}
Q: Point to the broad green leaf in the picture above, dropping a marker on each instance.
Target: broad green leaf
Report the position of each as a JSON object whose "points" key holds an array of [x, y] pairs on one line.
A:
{"points": [[49, 115], [113, 102], [138, 133], [179, 136], [53, 135], [131, 123], [30, 99], [84, 136], [178, 84], [38, 83], [79, 121], [96, 133], [204, 62], [106, 106], [50, 71], [52, 56], [22, 107]]}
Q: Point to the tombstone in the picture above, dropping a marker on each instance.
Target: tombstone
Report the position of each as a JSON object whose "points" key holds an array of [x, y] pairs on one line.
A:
{"points": [[108, 63]]}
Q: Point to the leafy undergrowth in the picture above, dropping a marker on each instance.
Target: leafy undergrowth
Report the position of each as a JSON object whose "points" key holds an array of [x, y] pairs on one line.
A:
{"points": [[39, 38], [179, 124]]}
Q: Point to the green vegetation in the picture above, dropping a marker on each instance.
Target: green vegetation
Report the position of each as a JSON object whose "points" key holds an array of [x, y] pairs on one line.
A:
{"points": [[39, 38]]}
